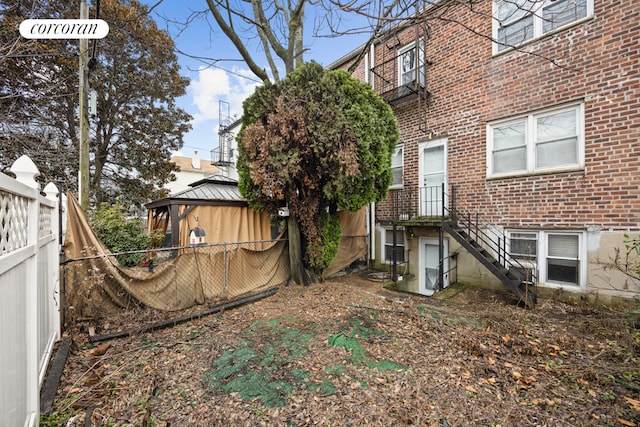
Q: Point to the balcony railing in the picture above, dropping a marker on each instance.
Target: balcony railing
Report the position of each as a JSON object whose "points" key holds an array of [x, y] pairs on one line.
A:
{"points": [[395, 89], [416, 202]]}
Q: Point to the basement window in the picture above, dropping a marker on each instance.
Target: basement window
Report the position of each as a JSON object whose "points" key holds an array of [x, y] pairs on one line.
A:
{"points": [[557, 257], [388, 245]]}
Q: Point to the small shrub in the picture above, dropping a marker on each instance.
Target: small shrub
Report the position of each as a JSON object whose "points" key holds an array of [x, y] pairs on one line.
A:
{"points": [[121, 234]]}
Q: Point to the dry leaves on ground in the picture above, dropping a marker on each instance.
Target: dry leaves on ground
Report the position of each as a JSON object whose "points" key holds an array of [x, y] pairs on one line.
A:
{"points": [[348, 352]]}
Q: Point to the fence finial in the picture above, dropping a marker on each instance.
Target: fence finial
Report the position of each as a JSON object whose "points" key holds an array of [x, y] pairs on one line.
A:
{"points": [[26, 171], [51, 190]]}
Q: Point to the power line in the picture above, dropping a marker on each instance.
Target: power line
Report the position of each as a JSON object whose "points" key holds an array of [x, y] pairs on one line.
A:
{"points": [[211, 62]]}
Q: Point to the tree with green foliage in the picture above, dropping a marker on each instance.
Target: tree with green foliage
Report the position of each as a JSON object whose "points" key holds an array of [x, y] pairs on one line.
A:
{"points": [[137, 79], [317, 142]]}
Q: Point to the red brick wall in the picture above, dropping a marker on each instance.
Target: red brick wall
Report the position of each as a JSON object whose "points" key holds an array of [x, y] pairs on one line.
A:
{"points": [[597, 61]]}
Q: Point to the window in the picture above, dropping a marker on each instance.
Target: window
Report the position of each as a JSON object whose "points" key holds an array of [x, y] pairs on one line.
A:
{"points": [[563, 259], [558, 13], [388, 245], [524, 246], [517, 21], [550, 140], [556, 256], [409, 67], [397, 167]]}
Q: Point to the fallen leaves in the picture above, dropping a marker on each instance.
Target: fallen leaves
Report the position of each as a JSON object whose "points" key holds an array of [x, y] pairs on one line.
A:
{"points": [[635, 404], [626, 422], [100, 350], [483, 358]]}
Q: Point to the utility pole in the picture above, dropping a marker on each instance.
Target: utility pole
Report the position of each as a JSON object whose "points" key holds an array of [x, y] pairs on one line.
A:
{"points": [[83, 171]]}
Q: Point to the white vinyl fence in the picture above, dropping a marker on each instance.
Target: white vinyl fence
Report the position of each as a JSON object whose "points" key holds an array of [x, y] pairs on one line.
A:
{"points": [[29, 291]]}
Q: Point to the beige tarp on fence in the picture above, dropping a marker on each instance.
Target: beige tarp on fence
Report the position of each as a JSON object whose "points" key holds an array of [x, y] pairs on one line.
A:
{"points": [[353, 244], [227, 224], [96, 284]]}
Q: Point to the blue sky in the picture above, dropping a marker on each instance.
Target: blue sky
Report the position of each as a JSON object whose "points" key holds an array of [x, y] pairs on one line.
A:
{"points": [[228, 83]]}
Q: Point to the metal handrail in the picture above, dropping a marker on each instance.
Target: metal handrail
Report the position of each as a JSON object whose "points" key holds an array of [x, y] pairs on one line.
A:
{"points": [[475, 228]]}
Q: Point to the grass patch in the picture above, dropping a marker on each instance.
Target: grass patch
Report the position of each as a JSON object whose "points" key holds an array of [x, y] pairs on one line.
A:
{"points": [[260, 367], [362, 328], [423, 310]]}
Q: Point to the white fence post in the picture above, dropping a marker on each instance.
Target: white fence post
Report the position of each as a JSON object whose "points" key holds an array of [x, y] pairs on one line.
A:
{"points": [[29, 280], [26, 172], [51, 300]]}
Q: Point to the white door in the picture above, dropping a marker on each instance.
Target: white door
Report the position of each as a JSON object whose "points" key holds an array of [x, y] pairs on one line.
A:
{"points": [[433, 173], [429, 264]]}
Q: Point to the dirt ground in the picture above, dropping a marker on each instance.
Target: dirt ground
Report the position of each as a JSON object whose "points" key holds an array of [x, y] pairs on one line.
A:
{"points": [[348, 352]]}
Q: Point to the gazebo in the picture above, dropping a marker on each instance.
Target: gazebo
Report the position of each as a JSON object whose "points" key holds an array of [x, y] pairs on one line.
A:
{"points": [[212, 205]]}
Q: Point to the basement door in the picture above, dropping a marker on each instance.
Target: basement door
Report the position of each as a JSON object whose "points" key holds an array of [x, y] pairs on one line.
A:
{"points": [[433, 173], [429, 263]]}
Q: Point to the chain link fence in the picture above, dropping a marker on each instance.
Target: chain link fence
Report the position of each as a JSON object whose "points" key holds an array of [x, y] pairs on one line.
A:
{"points": [[155, 283]]}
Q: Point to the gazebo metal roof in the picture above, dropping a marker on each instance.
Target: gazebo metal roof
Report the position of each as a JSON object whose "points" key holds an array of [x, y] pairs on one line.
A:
{"points": [[213, 190]]}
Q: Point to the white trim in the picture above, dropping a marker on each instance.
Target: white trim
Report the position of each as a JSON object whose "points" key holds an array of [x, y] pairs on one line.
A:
{"points": [[371, 230], [399, 147], [542, 256], [422, 242], [537, 24], [419, 59], [530, 141], [421, 148]]}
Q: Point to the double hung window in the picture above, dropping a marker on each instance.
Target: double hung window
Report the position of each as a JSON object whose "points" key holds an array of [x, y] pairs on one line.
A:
{"points": [[399, 247], [517, 21], [556, 256], [411, 65], [549, 140], [563, 259], [397, 167]]}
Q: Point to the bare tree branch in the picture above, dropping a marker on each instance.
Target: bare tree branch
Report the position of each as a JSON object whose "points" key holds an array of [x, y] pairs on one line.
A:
{"points": [[229, 31]]}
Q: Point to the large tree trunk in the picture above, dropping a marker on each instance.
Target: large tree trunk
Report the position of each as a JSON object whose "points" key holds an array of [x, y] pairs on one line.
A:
{"points": [[296, 261]]}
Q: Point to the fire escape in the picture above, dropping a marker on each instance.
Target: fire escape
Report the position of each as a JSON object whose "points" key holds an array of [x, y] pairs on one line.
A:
{"points": [[222, 155], [401, 78], [489, 244]]}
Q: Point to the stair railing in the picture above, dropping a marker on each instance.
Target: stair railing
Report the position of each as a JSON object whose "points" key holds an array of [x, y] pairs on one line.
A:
{"points": [[485, 234]]}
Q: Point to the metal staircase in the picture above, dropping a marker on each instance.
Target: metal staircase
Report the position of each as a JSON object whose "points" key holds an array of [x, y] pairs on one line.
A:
{"points": [[488, 244]]}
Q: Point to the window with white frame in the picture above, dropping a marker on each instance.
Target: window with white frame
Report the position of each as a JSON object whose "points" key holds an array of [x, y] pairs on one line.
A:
{"points": [[540, 142], [524, 246], [397, 167], [556, 256], [388, 245], [517, 21], [411, 65], [563, 259]]}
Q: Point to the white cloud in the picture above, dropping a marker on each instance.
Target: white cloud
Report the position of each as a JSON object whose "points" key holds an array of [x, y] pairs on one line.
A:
{"points": [[207, 89], [213, 85], [210, 86]]}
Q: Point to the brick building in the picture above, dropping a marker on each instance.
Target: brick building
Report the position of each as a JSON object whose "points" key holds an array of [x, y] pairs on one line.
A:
{"points": [[519, 158]]}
